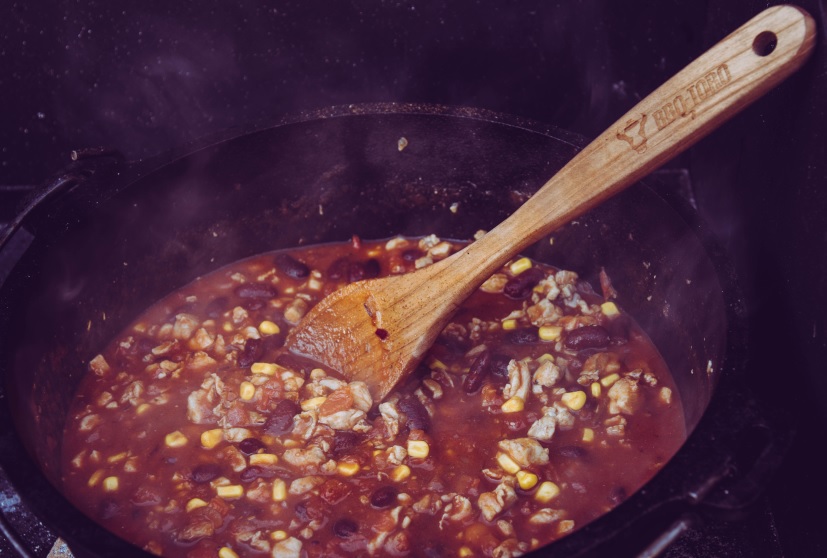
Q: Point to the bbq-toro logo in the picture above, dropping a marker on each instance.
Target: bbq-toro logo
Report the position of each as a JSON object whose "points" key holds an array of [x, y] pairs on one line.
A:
{"points": [[683, 105]]}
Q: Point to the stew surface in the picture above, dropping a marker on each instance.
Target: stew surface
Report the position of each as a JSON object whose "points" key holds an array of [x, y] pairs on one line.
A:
{"points": [[541, 407]]}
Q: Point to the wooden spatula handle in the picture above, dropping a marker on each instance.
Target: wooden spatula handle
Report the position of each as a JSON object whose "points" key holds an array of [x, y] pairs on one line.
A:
{"points": [[714, 87]]}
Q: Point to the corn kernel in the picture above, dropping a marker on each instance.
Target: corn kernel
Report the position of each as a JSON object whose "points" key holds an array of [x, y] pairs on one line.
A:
{"points": [[574, 400], [595, 389], [547, 492], [194, 504], [269, 328], [246, 391], [435, 363], [265, 368], [508, 465], [513, 405], [347, 468], [565, 526], [509, 324], [588, 435], [142, 408], [230, 491], [465, 552], [227, 552], [278, 535], [227, 327], [545, 357], [175, 440], [117, 458], [550, 333], [609, 309], [279, 490], [110, 484], [263, 459], [211, 438], [400, 473], [418, 449], [95, 478], [527, 480], [519, 266], [313, 403], [609, 380]]}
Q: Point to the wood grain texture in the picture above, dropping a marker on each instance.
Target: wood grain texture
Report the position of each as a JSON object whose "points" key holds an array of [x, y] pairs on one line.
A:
{"points": [[344, 330]]}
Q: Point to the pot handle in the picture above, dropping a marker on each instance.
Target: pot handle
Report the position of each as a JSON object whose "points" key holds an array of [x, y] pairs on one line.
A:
{"points": [[85, 163]]}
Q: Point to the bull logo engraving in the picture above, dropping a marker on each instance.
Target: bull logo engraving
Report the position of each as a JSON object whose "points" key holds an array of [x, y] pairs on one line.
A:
{"points": [[634, 133]]}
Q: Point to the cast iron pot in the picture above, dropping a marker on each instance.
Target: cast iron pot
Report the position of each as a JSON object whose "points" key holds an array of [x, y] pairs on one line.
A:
{"points": [[106, 238]]}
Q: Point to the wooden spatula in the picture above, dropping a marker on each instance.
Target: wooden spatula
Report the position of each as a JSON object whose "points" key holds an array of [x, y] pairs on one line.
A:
{"points": [[378, 330]]}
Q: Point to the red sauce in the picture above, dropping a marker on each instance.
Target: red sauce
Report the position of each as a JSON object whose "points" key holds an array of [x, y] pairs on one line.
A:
{"points": [[540, 407]]}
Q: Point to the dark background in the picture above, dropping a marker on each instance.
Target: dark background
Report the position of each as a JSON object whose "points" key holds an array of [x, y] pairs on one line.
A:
{"points": [[146, 77]]}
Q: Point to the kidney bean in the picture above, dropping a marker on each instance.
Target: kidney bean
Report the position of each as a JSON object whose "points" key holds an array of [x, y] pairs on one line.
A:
{"points": [[252, 351], [383, 497], [256, 290], [587, 337], [477, 372], [250, 446], [205, 472], [345, 528], [291, 267], [523, 336], [520, 287], [216, 307], [280, 420], [418, 417]]}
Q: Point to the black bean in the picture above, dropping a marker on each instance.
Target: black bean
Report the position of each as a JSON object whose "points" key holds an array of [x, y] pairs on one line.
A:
{"points": [[345, 528], [344, 440], [216, 307], [498, 366], [280, 420], [477, 373], [256, 290], [418, 417], [291, 267], [587, 337], [520, 287], [252, 351], [383, 497], [254, 472], [357, 271], [522, 336], [205, 472], [250, 446]]}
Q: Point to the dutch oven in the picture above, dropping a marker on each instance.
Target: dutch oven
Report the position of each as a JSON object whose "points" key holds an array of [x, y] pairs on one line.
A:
{"points": [[106, 238]]}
